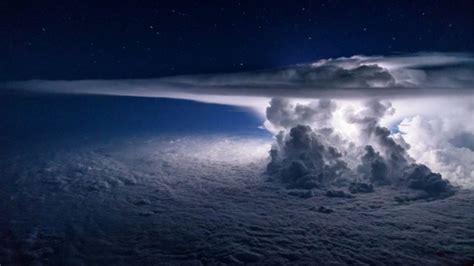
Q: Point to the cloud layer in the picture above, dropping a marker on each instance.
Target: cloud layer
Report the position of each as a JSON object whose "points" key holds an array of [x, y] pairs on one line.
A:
{"points": [[356, 76], [433, 94], [203, 200]]}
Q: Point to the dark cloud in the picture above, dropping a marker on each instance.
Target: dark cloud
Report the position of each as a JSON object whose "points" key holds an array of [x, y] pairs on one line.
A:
{"points": [[373, 167], [419, 176], [301, 159], [317, 76], [326, 210], [361, 187], [394, 165], [338, 194]]}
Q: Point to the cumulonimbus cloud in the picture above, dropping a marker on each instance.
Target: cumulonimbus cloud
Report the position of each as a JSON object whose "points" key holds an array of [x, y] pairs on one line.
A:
{"points": [[408, 80]]}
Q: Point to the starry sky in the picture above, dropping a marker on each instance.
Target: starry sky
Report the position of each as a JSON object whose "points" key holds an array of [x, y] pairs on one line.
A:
{"points": [[143, 39]]}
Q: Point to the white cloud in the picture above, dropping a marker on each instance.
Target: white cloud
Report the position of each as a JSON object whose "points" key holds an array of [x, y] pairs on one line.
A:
{"points": [[356, 76], [426, 89], [429, 140], [349, 127]]}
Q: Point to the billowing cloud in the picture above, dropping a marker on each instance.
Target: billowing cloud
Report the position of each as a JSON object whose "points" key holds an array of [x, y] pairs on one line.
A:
{"points": [[304, 158], [432, 93], [443, 144], [319, 157], [283, 114]]}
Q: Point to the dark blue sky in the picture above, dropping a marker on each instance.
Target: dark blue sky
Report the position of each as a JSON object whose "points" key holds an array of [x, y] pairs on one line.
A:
{"points": [[46, 117], [140, 39]]}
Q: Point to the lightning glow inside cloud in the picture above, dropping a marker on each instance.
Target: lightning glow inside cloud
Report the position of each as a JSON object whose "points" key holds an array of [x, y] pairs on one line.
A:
{"points": [[430, 98]]}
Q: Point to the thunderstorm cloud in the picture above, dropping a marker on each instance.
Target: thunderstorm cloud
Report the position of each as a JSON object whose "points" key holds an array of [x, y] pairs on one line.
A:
{"points": [[366, 150], [374, 117]]}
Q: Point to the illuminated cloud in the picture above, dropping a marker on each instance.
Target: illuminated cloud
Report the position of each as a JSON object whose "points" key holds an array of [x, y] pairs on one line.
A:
{"points": [[357, 76], [319, 156], [434, 86]]}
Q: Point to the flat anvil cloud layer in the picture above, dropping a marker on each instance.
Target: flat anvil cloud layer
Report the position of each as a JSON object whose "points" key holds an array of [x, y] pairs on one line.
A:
{"points": [[356, 76]]}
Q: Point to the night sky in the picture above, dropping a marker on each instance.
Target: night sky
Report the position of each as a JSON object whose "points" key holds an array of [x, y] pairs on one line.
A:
{"points": [[259, 132], [143, 39]]}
